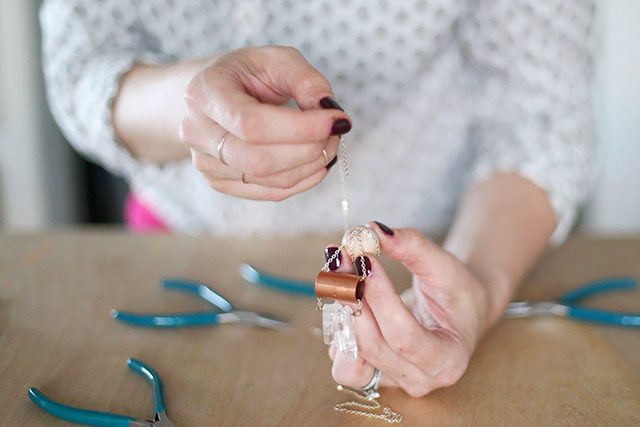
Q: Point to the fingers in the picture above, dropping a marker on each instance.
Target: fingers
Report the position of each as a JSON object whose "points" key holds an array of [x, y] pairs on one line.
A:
{"points": [[202, 134], [291, 177], [279, 150], [435, 272], [374, 348], [212, 168], [342, 263], [398, 325], [275, 188], [350, 372], [412, 249], [229, 93], [361, 376], [269, 124], [306, 84], [390, 337], [258, 192]]}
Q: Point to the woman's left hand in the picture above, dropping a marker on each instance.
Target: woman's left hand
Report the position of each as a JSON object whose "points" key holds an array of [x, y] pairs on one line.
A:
{"points": [[422, 340]]}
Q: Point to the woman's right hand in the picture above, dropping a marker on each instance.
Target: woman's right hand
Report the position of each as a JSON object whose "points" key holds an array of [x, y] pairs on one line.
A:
{"points": [[271, 151]]}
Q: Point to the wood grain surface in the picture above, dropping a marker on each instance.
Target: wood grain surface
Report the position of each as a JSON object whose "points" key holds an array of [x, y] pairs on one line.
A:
{"points": [[57, 288]]}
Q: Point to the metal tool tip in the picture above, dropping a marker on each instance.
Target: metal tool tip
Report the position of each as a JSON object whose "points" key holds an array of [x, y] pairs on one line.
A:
{"points": [[248, 273]]}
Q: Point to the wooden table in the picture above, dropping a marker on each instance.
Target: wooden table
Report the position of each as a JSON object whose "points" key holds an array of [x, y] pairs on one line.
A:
{"points": [[57, 288]]}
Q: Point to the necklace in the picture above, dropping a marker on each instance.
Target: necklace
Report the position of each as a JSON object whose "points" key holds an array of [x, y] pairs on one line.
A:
{"points": [[338, 320], [364, 407]]}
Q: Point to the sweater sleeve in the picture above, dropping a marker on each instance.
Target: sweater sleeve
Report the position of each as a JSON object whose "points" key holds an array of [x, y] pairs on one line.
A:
{"points": [[87, 47], [539, 124]]}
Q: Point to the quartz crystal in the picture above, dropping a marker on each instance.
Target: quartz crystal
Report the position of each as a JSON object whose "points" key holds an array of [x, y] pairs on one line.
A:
{"points": [[338, 324]]}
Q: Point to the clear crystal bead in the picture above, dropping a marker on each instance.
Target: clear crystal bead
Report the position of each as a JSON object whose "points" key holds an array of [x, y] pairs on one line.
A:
{"points": [[338, 324]]}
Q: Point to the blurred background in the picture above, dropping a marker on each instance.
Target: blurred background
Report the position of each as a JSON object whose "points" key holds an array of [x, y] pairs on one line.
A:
{"points": [[44, 183]]}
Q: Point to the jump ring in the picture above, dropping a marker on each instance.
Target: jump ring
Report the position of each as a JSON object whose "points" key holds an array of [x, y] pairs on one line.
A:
{"points": [[223, 139]]}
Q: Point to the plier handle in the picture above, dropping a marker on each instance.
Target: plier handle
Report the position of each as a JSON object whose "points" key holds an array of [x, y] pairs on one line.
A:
{"points": [[106, 419], [279, 283], [568, 304], [226, 312]]}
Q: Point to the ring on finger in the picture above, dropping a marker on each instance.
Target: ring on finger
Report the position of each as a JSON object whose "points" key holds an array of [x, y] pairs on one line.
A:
{"points": [[370, 390], [326, 157], [220, 145]]}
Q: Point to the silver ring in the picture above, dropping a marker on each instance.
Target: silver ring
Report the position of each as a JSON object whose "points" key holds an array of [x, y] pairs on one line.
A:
{"points": [[223, 139], [326, 157], [371, 389]]}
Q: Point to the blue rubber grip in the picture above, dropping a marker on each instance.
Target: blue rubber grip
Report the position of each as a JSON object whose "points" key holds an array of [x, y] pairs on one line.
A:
{"points": [[142, 369], [604, 317], [598, 287], [182, 320], [258, 277], [76, 415]]}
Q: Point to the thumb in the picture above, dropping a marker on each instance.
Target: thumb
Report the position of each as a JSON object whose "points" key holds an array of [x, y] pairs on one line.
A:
{"points": [[306, 84]]}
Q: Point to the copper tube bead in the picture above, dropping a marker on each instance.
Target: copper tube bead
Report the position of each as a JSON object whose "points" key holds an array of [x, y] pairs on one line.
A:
{"points": [[339, 286]]}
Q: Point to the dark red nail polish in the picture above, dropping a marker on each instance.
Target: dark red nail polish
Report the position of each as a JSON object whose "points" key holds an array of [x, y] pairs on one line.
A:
{"points": [[329, 103], [385, 229], [340, 127], [358, 265], [337, 261], [332, 162]]}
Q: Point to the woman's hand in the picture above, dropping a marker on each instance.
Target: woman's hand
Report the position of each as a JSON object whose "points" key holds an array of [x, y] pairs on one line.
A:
{"points": [[424, 339], [270, 151]]}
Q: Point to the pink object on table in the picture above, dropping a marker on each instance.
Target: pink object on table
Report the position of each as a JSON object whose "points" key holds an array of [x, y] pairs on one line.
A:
{"points": [[140, 219]]}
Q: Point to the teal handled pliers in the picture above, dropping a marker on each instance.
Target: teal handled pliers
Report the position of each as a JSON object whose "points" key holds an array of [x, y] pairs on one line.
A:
{"points": [[226, 312], [283, 284], [567, 304], [105, 419]]}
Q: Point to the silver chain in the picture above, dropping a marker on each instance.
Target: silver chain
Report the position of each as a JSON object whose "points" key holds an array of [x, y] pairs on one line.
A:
{"points": [[363, 407], [367, 408], [344, 176], [332, 258]]}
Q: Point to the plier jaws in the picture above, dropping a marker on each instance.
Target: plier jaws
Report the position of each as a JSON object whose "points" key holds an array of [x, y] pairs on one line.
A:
{"points": [[536, 308], [225, 311], [568, 305]]}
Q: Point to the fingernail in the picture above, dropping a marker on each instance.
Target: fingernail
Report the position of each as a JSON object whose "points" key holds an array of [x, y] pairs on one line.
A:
{"points": [[340, 127], [328, 103], [332, 162], [337, 261], [385, 229], [358, 265]]}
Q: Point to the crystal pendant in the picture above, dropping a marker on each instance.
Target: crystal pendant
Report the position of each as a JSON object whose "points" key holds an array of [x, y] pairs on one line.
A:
{"points": [[338, 327]]}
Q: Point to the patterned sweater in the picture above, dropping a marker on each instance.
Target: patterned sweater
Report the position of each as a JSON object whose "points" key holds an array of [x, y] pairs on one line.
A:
{"points": [[442, 93]]}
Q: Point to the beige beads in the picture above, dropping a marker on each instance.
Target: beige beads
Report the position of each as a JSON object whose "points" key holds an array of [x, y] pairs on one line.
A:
{"points": [[359, 240]]}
